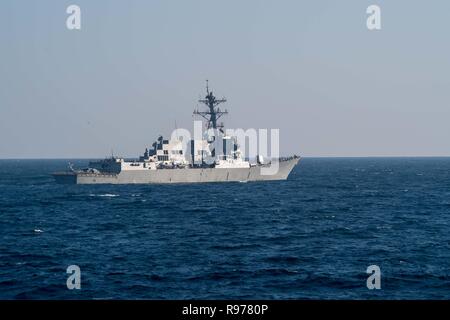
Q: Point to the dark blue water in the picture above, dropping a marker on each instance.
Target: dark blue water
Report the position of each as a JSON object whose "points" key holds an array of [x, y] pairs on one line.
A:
{"points": [[312, 236]]}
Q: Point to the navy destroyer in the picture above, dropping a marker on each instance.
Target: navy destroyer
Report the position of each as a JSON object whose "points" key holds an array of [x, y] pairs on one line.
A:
{"points": [[177, 161]]}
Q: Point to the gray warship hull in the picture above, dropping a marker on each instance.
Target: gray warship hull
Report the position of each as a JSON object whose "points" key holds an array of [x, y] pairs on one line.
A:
{"points": [[186, 175]]}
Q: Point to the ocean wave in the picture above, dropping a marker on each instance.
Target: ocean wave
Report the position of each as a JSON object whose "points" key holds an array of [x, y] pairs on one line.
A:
{"points": [[110, 195]]}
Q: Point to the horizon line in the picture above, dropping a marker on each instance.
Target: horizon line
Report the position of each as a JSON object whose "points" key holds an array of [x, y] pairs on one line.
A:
{"points": [[310, 156]]}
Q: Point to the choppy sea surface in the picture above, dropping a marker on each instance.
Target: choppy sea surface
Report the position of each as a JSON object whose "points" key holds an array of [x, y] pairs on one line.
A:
{"points": [[310, 237]]}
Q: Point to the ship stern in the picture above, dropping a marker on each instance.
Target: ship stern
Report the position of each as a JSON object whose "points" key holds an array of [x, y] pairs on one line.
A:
{"points": [[65, 177]]}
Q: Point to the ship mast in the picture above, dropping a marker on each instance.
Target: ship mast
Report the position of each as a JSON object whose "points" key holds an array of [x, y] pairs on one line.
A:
{"points": [[213, 112]]}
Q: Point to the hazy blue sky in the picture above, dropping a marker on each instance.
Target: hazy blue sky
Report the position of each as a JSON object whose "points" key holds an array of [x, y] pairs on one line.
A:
{"points": [[309, 68]]}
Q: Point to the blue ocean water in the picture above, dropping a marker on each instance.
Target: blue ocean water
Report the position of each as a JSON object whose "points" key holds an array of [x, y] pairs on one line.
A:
{"points": [[310, 237]]}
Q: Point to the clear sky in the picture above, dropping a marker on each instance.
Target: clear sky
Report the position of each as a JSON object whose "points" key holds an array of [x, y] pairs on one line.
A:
{"points": [[310, 68]]}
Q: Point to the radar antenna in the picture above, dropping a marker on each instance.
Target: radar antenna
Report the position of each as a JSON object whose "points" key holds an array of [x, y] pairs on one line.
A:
{"points": [[213, 112]]}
